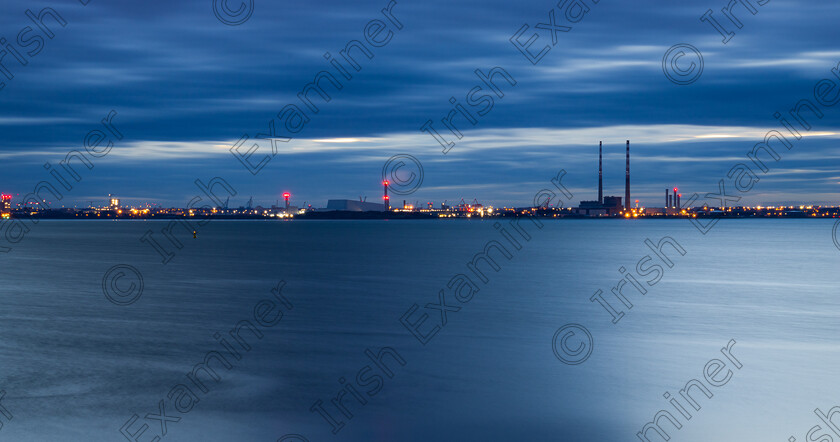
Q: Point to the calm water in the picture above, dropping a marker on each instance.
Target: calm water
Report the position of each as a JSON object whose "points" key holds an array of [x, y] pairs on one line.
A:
{"points": [[77, 367]]}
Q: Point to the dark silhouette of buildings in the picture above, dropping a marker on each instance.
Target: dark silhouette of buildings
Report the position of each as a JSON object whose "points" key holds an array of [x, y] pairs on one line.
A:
{"points": [[607, 205]]}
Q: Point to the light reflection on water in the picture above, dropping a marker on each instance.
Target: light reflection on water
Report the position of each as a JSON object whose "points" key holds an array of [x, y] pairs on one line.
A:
{"points": [[77, 367]]}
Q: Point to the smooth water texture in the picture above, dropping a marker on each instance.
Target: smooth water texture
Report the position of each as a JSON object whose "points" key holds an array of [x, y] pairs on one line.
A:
{"points": [[75, 366]]}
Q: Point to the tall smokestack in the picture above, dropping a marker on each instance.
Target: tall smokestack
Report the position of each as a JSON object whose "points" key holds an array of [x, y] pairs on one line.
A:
{"points": [[600, 174], [627, 180], [667, 197], [386, 200]]}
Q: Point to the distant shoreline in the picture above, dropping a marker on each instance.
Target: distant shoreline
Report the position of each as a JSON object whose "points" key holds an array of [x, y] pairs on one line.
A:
{"points": [[395, 216]]}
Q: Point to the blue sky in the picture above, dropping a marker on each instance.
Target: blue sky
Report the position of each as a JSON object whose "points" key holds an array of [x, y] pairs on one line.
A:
{"points": [[186, 87]]}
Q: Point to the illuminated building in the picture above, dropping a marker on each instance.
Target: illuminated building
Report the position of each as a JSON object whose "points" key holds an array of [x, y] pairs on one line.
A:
{"points": [[5, 206]]}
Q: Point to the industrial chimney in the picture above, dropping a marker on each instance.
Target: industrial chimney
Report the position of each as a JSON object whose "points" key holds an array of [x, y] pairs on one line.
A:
{"points": [[600, 175], [627, 180], [386, 200], [667, 198]]}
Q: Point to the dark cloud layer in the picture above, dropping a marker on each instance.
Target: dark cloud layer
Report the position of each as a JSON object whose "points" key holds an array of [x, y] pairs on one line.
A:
{"points": [[186, 87]]}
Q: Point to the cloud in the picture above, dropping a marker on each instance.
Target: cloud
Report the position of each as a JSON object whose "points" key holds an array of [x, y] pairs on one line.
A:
{"points": [[187, 87]]}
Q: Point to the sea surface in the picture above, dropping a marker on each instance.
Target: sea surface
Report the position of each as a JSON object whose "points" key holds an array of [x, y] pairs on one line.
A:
{"points": [[75, 366]]}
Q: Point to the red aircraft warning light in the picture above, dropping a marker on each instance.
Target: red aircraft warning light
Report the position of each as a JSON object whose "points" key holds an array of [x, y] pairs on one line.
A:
{"points": [[387, 201]]}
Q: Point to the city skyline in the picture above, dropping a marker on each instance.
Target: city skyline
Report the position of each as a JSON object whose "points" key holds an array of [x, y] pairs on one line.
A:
{"points": [[63, 177]]}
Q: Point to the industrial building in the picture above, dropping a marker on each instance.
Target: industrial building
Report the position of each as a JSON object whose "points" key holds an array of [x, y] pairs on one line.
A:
{"points": [[355, 206], [607, 205], [288, 209], [361, 205], [5, 206]]}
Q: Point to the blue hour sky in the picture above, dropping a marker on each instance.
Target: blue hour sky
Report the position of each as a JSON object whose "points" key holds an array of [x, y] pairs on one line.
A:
{"points": [[186, 87]]}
